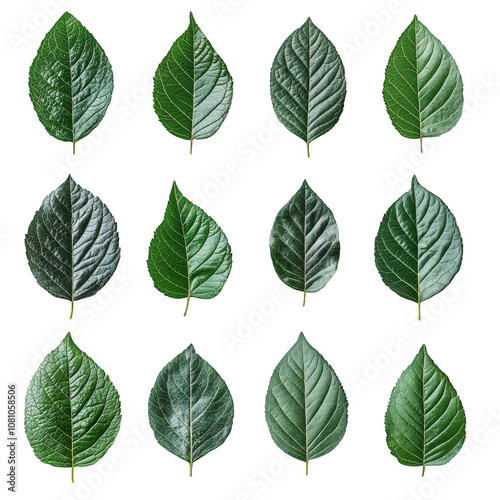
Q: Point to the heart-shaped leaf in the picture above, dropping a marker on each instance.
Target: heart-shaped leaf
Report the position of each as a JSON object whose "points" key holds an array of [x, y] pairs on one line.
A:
{"points": [[308, 83], [304, 242], [71, 81], [189, 255], [306, 406], [423, 89], [190, 408], [72, 411], [425, 420], [192, 87], [418, 248], [72, 243]]}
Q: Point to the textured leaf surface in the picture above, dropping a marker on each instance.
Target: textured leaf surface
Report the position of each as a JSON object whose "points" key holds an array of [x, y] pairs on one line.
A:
{"points": [[306, 406], [304, 242], [72, 243], [423, 89], [192, 87], [190, 407], [72, 412], [308, 85], [189, 255], [425, 420], [418, 248], [71, 81]]}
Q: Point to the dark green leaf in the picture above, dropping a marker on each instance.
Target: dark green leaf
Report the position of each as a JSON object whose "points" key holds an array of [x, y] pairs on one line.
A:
{"points": [[418, 248], [189, 255], [425, 420], [190, 407], [71, 81], [306, 406], [423, 88], [308, 83], [72, 243], [72, 411], [304, 242], [192, 87]]}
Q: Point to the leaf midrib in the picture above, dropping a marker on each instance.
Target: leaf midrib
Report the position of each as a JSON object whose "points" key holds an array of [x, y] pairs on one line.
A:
{"points": [[415, 21], [65, 24], [185, 245]]}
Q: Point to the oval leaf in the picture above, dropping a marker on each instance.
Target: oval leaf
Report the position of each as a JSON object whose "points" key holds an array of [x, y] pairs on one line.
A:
{"points": [[304, 242], [306, 406], [308, 85], [418, 248], [425, 420], [72, 412], [189, 255], [423, 89], [190, 408], [192, 87], [71, 81], [72, 243]]}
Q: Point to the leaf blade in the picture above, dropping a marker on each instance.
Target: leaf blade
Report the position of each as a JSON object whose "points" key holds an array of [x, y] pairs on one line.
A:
{"points": [[418, 248], [306, 406], [72, 243], [425, 420], [193, 88], [423, 89], [72, 410], [304, 242], [189, 255], [307, 83], [190, 407], [71, 81]]}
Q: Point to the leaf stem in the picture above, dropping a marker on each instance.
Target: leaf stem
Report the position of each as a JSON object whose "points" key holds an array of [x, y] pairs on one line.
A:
{"points": [[421, 147], [72, 473], [304, 301], [308, 155], [419, 317], [187, 305], [72, 304], [423, 470], [74, 146], [307, 467], [191, 147], [190, 467]]}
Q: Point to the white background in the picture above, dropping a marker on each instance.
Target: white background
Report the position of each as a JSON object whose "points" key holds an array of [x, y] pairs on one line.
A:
{"points": [[358, 169]]}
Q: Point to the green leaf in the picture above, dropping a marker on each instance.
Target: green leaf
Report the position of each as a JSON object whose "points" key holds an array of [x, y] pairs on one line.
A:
{"points": [[72, 243], [425, 420], [423, 89], [304, 242], [308, 83], [71, 81], [189, 255], [418, 248], [192, 87], [190, 408], [72, 411], [306, 406]]}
